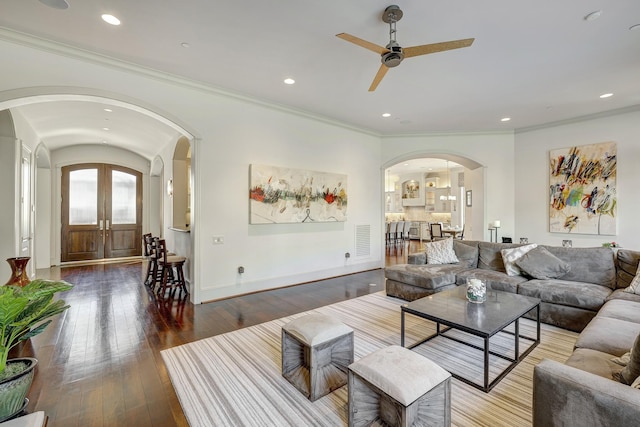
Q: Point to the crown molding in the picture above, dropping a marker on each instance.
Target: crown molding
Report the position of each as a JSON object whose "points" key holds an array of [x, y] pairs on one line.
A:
{"points": [[603, 114]]}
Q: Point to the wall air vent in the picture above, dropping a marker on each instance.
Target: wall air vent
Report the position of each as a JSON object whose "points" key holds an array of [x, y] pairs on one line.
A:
{"points": [[363, 240]]}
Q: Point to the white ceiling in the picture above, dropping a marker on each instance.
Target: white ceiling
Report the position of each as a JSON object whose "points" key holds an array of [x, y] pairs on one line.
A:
{"points": [[536, 62]]}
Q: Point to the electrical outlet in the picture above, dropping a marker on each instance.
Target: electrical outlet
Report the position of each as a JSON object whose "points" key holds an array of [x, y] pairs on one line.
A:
{"points": [[241, 269], [218, 240]]}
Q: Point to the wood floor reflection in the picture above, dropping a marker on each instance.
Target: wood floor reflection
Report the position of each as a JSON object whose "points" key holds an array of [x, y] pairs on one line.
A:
{"points": [[100, 364]]}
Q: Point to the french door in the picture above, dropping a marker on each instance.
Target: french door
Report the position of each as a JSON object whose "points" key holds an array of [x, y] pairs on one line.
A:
{"points": [[101, 212]]}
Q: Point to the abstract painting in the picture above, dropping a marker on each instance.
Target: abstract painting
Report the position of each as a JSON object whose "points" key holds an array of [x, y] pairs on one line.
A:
{"points": [[582, 189], [285, 195]]}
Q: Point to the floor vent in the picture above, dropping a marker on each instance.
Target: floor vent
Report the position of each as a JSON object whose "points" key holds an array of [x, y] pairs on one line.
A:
{"points": [[363, 240]]}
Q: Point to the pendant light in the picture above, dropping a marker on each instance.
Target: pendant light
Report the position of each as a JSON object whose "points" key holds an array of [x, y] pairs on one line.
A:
{"points": [[449, 196]]}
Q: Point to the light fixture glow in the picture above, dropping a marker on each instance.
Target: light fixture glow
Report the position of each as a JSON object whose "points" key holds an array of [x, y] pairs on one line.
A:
{"points": [[110, 19], [606, 95], [108, 110], [105, 128], [56, 4], [386, 114], [185, 45], [505, 119], [170, 188], [289, 81], [593, 15]]}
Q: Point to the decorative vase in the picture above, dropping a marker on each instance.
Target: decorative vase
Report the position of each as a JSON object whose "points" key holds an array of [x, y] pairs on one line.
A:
{"points": [[18, 271], [13, 390], [476, 291]]}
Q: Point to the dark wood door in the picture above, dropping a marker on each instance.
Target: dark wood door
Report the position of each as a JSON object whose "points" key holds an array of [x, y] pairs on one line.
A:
{"points": [[101, 212]]}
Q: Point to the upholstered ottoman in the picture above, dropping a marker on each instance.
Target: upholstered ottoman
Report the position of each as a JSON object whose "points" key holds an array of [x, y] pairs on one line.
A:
{"points": [[316, 351], [398, 387]]}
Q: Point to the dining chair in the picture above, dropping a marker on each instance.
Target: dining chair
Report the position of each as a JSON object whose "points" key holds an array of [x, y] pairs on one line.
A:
{"points": [[149, 253], [405, 230], [171, 267], [435, 229], [393, 228], [461, 235]]}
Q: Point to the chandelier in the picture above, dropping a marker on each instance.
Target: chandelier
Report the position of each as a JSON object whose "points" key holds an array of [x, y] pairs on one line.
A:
{"points": [[448, 196]]}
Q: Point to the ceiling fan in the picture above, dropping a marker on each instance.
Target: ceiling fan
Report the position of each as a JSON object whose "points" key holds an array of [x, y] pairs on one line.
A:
{"points": [[392, 55]]}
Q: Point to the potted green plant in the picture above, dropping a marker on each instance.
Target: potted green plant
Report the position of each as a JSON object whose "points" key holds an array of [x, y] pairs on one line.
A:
{"points": [[24, 312]]}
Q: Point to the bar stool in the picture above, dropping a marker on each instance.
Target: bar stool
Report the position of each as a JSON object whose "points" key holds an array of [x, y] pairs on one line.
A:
{"points": [[149, 253], [166, 264]]}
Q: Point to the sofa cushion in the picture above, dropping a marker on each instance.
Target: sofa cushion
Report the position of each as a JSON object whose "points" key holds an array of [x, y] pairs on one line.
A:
{"points": [[595, 362], [613, 336], [589, 265], [467, 252], [424, 276], [493, 279], [573, 294], [511, 255], [634, 286], [621, 309], [627, 261], [622, 295], [490, 257], [539, 263], [632, 371], [440, 252]]}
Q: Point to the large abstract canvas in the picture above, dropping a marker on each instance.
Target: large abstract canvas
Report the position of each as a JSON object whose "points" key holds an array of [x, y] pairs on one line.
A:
{"points": [[582, 189], [286, 195]]}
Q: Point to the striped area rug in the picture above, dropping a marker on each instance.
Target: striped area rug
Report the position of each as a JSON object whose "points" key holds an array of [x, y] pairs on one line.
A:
{"points": [[234, 379]]}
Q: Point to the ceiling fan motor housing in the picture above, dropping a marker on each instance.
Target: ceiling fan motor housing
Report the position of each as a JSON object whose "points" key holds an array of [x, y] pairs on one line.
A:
{"points": [[394, 57]]}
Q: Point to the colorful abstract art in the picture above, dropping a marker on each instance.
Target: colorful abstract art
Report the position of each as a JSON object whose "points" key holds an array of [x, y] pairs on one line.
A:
{"points": [[285, 195], [582, 189]]}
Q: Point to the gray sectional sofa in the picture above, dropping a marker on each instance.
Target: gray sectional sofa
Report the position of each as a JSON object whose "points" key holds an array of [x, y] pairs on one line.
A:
{"points": [[585, 390], [569, 301]]}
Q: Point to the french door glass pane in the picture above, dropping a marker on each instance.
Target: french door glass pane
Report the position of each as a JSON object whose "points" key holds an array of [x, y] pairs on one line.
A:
{"points": [[123, 198], [83, 197]]}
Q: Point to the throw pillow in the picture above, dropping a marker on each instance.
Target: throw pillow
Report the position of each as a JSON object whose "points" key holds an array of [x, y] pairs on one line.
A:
{"points": [[634, 286], [511, 255], [440, 252], [632, 371], [539, 263], [622, 360]]}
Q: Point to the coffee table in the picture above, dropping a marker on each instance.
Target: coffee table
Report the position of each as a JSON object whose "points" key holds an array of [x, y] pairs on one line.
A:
{"points": [[451, 308]]}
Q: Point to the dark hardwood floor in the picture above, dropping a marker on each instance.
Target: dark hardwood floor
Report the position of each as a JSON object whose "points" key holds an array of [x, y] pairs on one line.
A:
{"points": [[100, 364]]}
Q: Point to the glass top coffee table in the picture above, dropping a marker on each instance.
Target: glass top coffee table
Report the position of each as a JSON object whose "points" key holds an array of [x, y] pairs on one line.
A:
{"points": [[451, 309]]}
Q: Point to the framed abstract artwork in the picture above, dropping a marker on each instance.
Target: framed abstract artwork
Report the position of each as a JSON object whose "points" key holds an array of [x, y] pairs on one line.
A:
{"points": [[582, 189], [286, 195]]}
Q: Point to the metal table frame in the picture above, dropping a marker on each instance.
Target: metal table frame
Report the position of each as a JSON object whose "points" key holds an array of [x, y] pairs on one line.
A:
{"points": [[487, 386]]}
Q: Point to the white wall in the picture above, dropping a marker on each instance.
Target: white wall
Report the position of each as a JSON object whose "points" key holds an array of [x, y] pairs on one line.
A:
{"points": [[532, 177], [232, 133], [494, 151]]}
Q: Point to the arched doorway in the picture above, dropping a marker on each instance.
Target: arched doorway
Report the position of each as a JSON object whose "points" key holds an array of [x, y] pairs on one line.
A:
{"points": [[435, 187]]}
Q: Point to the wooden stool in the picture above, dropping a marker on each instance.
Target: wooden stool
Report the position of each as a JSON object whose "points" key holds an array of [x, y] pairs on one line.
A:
{"points": [[316, 350], [398, 387], [167, 263]]}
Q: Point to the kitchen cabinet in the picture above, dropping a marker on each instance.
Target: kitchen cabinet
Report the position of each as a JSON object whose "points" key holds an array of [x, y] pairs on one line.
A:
{"points": [[433, 202]]}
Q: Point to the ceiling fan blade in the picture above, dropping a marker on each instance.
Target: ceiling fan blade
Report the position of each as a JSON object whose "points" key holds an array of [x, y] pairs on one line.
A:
{"points": [[436, 47], [378, 78], [363, 43]]}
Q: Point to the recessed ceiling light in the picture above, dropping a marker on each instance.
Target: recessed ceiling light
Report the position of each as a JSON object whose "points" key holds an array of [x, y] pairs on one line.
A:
{"points": [[289, 81], [406, 164], [110, 19], [386, 114], [606, 95], [505, 119], [56, 4], [104, 141], [634, 27], [108, 110], [105, 128], [185, 45], [593, 15]]}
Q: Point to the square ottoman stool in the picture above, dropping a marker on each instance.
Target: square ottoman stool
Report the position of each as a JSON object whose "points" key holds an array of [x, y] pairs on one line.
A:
{"points": [[316, 351], [398, 387]]}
